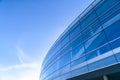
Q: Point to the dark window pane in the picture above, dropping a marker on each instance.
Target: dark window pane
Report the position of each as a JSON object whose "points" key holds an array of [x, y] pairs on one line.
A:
{"points": [[91, 55], [115, 44], [111, 13], [77, 41], [107, 4], [105, 49], [113, 31], [95, 42], [88, 19], [75, 31], [65, 49]]}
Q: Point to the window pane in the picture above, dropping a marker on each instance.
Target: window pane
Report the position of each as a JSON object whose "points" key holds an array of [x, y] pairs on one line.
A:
{"points": [[88, 19], [65, 40], [105, 49], [95, 42], [115, 44], [78, 61], [77, 52], [107, 4], [77, 41], [75, 31], [91, 55], [111, 13], [65, 59], [64, 69], [113, 31], [65, 49], [79, 71], [116, 48], [102, 63]]}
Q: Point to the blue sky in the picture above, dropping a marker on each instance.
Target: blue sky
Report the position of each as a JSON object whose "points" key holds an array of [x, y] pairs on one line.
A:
{"points": [[27, 30]]}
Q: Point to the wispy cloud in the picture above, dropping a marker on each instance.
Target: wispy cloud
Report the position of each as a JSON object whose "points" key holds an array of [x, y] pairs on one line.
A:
{"points": [[21, 66], [20, 54], [29, 71], [22, 71]]}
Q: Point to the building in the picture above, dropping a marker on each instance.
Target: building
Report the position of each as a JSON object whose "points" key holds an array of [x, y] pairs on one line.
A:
{"points": [[89, 49]]}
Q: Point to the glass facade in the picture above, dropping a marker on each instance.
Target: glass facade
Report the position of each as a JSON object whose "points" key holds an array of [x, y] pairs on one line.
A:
{"points": [[91, 43]]}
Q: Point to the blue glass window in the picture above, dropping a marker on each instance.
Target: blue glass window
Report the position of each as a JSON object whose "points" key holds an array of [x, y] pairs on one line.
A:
{"points": [[94, 29], [64, 59], [77, 41], [88, 19], [111, 13], [104, 49], [113, 31], [77, 52], [106, 5], [79, 71], [115, 44], [65, 40], [64, 68], [65, 76], [75, 31], [91, 55], [65, 49], [78, 61], [102, 63], [95, 41]]}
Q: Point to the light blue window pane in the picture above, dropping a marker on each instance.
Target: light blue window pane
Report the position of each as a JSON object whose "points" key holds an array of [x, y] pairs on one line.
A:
{"points": [[95, 41], [52, 68], [64, 69], [65, 59], [65, 40], [118, 56], [78, 61], [55, 74], [65, 76], [79, 71], [57, 48], [58, 78], [113, 31], [102, 63], [77, 52]]}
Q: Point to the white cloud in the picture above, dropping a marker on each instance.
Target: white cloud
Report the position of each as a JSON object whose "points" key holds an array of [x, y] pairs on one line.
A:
{"points": [[29, 71], [20, 66]]}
